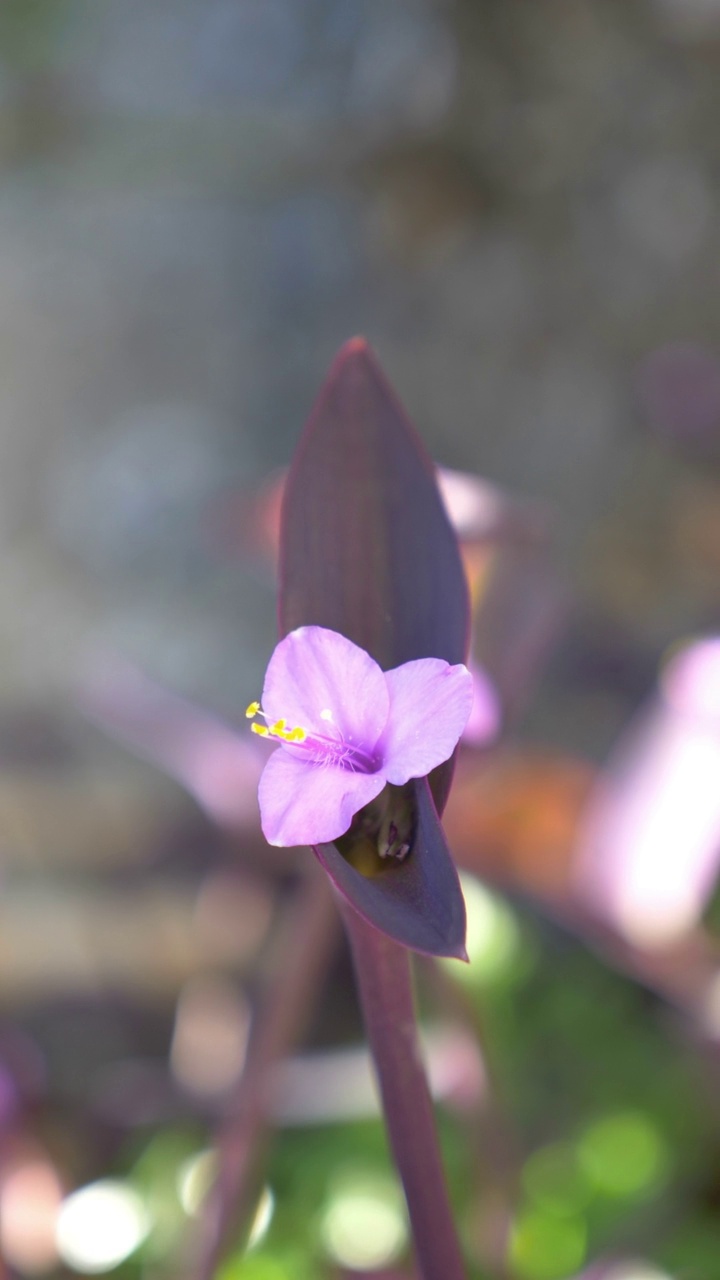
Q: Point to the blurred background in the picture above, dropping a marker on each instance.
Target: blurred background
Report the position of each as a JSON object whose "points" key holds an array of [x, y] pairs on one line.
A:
{"points": [[516, 203]]}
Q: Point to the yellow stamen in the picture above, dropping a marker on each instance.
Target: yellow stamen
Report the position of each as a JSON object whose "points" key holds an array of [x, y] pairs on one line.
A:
{"points": [[277, 730]]}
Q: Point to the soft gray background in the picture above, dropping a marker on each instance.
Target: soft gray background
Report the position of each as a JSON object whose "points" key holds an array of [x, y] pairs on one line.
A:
{"points": [[201, 199]]}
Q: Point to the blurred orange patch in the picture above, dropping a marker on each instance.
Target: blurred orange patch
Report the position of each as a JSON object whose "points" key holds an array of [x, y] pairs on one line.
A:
{"points": [[513, 817]]}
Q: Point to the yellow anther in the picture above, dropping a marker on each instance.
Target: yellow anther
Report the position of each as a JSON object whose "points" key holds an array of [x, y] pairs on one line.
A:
{"points": [[277, 730]]}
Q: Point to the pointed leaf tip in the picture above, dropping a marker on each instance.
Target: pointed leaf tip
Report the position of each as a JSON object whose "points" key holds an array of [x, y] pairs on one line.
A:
{"points": [[357, 346], [418, 903], [355, 357], [366, 545]]}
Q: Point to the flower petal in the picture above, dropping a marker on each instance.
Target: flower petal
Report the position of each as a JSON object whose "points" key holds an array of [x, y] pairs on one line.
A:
{"points": [[319, 679], [429, 707], [302, 803]]}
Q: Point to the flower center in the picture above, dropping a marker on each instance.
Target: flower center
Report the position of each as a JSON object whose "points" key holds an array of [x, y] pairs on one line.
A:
{"points": [[318, 748]]}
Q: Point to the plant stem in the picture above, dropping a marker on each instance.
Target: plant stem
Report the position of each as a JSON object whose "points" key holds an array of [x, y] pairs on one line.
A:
{"points": [[384, 980]]}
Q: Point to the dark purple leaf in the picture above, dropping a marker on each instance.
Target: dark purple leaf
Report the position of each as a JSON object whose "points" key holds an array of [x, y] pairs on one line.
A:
{"points": [[366, 549], [366, 546], [418, 902]]}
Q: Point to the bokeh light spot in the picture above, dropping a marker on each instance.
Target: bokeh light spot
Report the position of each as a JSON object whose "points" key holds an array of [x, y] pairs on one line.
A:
{"points": [[493, 936], [364, 1225], [100, 1226], [262, 1219], [624, 1155], [545, 1247], [194, 1180], [636, 1271]]}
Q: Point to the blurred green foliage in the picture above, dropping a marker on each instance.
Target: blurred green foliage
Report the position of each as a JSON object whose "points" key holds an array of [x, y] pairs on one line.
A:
{"points": [[30, 30], [610, 1145]]}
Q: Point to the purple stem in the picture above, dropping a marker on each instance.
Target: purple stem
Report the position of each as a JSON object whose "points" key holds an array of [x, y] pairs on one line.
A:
{"points": [[382, 969]]}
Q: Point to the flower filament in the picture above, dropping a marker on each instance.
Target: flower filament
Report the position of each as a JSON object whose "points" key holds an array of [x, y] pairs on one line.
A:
{"points": [[321, 748], [278, 729]]}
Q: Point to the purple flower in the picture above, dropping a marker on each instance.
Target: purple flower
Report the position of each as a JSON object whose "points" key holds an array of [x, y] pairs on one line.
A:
{"points": [[346, 728]]}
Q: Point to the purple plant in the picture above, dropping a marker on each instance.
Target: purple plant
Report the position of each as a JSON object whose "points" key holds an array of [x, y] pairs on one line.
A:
{"points": [[364, 701], [367, 695]]}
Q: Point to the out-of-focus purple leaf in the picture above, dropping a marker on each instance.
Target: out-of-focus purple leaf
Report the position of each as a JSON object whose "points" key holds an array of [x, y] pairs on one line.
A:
{"points": [[518, 620], [649, 848], [219, 767]]}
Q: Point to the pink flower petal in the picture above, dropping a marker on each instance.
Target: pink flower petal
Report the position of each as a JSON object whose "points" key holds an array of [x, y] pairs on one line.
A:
{"points": [[303, 803], [484, 721], [430, 702], [317, 677], [649, 848]]}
